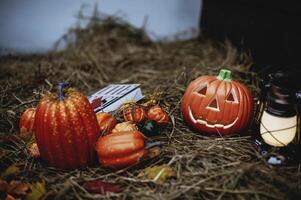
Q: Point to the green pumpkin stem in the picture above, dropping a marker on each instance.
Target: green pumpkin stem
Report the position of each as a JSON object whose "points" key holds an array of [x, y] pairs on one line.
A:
{"points": [[225, 75]]}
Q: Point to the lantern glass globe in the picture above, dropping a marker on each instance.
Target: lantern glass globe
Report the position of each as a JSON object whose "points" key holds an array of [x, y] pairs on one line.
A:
{"points": [[278, 131]]}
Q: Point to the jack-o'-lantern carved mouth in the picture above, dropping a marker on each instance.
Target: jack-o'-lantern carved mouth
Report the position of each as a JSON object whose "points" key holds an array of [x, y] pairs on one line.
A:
{"points": [[200, 121]]}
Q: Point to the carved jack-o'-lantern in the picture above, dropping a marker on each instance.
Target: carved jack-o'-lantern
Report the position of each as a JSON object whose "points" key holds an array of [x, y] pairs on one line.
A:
{"points": [[217, 105]]}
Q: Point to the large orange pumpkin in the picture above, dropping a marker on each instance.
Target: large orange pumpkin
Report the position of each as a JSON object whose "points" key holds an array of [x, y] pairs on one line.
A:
{"points": [[66, 129], [26, 123], [120, 149], [217, 104]]}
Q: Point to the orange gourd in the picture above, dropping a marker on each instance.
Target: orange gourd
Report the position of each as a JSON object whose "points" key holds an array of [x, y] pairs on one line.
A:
{"points": [[120, 149], [217, 104], [134, 114], [156, 113], [125, 126], [66, 129], [106, 122], [26, 123]]}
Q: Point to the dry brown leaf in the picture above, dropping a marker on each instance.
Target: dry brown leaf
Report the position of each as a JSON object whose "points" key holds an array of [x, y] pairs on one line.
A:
{"points": [[38, 190], [16, 187], [3, 185], [100, 187], [11, 171], [9, 197], [158, 173]]}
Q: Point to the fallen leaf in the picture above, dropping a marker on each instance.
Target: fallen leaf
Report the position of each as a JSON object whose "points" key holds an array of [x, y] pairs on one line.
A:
{"points": [[100, 187], [152, 152], [158, 173], [16, 187], [38, 190], [3, 185], [10, 171], [9, 197]]}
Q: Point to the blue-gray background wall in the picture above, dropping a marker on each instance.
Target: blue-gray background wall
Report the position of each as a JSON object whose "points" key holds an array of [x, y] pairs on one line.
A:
{"points": [[28, 26]]}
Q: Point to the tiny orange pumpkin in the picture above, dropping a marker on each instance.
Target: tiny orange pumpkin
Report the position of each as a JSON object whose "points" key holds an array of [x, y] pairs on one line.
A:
{"points": [[125, 126], [33, 150], [156, 113], [26, 123], [121, 149], [106, 122], [134, 114]]}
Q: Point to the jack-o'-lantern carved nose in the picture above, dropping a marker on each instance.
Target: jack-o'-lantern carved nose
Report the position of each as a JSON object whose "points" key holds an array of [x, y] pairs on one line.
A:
{"points": [[213, 105]]}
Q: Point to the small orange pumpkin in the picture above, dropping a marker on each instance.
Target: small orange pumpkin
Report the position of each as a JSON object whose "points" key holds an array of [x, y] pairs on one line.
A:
{"points": [[33, 150], [125, 126], [134, 114], [156, 113], [121, 149], [106, 122], [26, 123]]}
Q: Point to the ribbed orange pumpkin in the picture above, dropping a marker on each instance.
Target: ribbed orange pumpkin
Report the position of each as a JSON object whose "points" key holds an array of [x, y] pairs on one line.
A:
{"points": [[106, 122], [156, 113], [134, 114], [217, 105], [120, 149], [66, 129], [26, 123]]}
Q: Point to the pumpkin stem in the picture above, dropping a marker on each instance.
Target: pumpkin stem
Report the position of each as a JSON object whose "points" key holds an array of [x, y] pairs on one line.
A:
{"points": [[225, 75], [61, 88]]}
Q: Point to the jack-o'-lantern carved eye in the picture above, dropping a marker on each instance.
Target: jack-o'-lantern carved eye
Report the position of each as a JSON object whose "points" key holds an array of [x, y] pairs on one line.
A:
{"points": [[202, 90], [232, 97]]}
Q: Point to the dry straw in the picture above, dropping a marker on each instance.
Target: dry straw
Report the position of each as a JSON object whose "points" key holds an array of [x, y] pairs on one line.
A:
{"points": [[109, 52]]}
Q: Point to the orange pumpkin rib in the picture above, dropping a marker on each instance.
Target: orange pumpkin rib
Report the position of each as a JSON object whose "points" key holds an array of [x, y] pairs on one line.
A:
{"points": [[65, 134], [249, 100], [71, 134], [223, 107], [90, 121], [55, 138], [48, 131], [39, 135], [44, 131], [123, 161], [81, 129], [60, 140], [77, 133], [80, 113], [112, 145], [123, 148]]}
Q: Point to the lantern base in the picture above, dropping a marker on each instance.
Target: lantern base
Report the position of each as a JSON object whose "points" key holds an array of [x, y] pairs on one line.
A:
{"points": [[288, 155]]}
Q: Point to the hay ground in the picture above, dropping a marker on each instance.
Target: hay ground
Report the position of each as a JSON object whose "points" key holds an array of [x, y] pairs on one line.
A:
{"points": [[106, 52]]}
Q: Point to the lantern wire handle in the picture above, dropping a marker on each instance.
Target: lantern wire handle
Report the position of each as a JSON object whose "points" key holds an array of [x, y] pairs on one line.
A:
{"points": [[61, 88]]}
